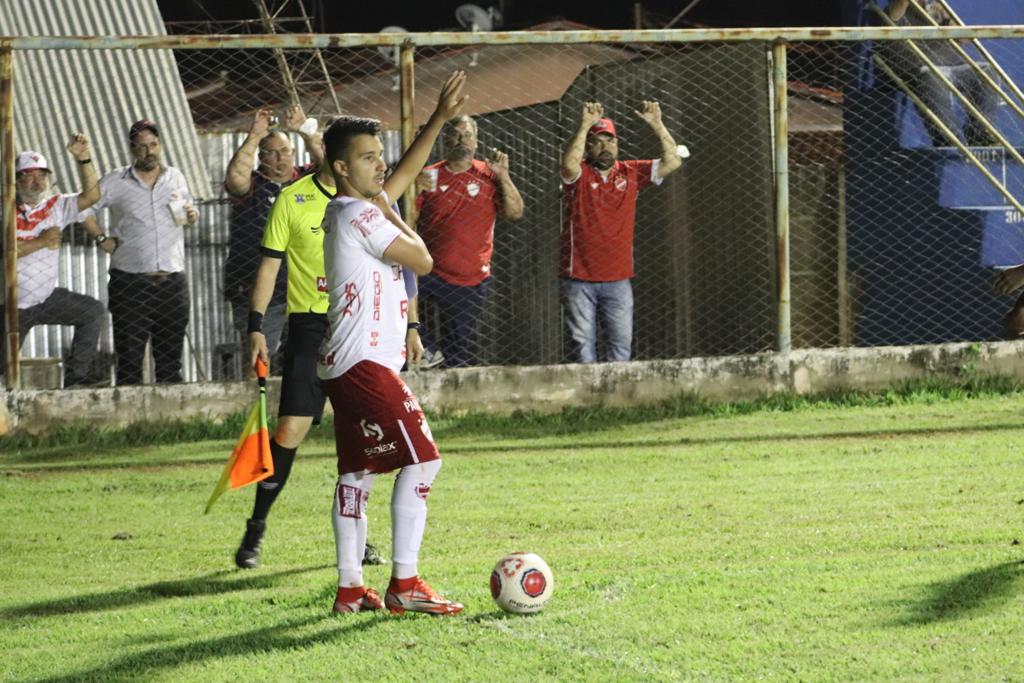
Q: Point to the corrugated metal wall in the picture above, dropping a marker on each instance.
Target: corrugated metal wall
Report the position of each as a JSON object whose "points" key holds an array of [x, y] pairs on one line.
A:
{"points": [[98, 92]]}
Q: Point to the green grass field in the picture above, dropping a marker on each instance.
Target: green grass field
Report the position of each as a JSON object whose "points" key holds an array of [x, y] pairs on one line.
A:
{"points": [[877, 540]]}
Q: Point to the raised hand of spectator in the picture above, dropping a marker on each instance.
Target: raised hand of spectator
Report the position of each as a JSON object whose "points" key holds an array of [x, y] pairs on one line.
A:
{"points": [[592, 111], [451, 100], [261, 123], [79, 146], [1009, 280], [498, 161], [294, 117], [650, 112]]}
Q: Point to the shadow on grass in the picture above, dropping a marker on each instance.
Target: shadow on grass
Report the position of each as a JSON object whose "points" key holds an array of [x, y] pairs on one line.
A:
{"points": [[226, 581], [255, 643], [974, 592]]}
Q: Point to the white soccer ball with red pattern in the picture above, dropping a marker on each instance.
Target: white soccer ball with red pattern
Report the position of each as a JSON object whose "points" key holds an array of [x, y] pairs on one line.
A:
{"points": [[522, 583]]}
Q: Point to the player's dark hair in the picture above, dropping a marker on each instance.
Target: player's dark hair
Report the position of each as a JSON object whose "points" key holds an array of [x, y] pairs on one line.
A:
{"points": [[339, 134]]}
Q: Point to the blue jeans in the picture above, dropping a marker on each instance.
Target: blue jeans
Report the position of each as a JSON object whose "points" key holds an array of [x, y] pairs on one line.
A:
{"points": [[459, 310], [610, 302]]}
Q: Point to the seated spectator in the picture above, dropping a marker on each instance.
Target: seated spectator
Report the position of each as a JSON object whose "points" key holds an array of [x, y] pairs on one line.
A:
{"points": [[42, 215]]}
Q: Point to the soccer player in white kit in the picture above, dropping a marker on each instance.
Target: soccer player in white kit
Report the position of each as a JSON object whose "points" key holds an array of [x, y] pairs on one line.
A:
{"points": [[378, 424]]}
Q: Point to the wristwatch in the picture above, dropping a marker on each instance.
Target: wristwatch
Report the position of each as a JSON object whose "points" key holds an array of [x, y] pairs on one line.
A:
{"points": [[101, 238]]}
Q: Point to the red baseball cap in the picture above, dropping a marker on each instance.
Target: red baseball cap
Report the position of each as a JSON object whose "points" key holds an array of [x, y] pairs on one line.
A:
{"points": [[603, 126], [141, 125]]}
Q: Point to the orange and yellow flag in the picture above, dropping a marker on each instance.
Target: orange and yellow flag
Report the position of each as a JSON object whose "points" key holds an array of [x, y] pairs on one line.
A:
{"points": [[250, 461]]}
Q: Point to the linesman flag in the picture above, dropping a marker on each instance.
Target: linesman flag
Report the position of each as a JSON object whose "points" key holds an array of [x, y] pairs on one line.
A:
{"points": [[250, 460]]}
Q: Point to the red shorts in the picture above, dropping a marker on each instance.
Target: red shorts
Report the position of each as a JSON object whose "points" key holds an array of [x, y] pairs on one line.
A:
{"points": [[378, 424]]}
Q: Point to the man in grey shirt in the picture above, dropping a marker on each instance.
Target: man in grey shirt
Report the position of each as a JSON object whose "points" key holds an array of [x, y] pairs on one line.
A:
{"points": [[149, 204]]}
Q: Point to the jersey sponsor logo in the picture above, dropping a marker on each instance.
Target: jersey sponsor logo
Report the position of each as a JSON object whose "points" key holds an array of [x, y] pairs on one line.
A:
{"points": [[620, 184], [352, 300], [321, 283], [411, 405], [378, 290], [303, 198], [375, 338], [363, 221], [381, 449], [327, 360], [372, 430], [472, 189]]}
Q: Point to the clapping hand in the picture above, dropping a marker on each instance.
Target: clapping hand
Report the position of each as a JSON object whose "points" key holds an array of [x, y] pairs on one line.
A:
{"points": [[79, 146]]}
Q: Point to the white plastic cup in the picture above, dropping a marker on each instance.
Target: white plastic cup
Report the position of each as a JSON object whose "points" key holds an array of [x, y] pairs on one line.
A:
{"points": [[178, 212], [432, 182]]}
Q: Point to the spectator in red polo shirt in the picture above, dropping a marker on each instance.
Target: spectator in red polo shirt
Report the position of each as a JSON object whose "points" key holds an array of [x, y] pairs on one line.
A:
{"points": [[598, 218], [460, 197]]}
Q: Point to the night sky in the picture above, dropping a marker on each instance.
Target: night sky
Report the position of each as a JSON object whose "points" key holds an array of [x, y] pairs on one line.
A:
{"points": [[338, 17]]}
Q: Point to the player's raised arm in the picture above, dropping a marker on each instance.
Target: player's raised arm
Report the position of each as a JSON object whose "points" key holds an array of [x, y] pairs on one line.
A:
{"points": [[449, 105]]}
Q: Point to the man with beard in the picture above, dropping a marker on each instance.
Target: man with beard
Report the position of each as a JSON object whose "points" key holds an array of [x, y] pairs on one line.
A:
{"points": [[149, 204], [253, 192], [460, 198], [598, 219], [42, 215]]}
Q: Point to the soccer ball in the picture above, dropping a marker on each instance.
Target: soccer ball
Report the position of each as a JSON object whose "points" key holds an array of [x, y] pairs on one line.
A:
{"points": [[522, 583]]}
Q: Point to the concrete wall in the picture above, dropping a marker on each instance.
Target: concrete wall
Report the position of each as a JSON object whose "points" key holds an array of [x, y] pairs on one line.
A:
{"points": [[545, 388]]}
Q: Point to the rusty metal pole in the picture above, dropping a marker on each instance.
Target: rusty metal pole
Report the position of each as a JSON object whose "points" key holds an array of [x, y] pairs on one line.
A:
{"points": [[783, 335], [11, 339], [408, 95]]}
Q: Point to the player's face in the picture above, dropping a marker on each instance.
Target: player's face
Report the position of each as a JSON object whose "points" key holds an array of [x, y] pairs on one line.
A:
{"points": [[32, 185], [146, 151], [460, 141], [277, 158], [363, 168], [602, 150]]}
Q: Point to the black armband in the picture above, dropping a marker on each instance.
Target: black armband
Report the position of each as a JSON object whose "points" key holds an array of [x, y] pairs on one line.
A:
{"points": [[413, 326], [255, 322]]}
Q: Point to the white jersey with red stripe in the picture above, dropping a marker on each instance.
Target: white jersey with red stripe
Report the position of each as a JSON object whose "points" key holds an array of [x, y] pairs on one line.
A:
{"points": [[37, 272], [368, 305]]}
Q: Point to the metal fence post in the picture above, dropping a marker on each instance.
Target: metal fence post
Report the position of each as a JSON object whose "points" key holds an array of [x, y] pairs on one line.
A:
{"points": [[11, 339], [407, 112], [783, 336]]}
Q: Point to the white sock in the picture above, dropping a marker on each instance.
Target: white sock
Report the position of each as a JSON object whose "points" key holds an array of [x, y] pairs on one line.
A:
{"points": [[348, 517], [409, 516]]}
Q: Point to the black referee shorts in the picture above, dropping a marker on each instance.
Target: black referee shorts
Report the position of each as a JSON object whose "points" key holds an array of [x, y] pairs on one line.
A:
{"points": [[301, 395]]}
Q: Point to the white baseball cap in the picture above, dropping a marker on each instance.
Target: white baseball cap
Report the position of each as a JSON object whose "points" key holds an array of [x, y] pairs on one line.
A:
{"points": [[31, 161]]}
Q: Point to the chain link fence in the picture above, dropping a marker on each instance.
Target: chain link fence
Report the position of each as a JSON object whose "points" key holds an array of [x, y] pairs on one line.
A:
{"points": [[893, 237]]}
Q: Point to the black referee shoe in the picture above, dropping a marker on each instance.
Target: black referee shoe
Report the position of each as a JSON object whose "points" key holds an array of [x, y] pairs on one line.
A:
{"points": [[248, 555], [372, 556]]}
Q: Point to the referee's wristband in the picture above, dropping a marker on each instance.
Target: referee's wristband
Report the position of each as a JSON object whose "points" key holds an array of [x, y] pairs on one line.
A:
{"points": [[413, 326], [255, 322]]}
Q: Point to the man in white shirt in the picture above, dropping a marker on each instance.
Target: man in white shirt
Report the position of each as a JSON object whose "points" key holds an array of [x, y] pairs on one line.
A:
{"points": [[378, 424], [149, 204], [42, 216]]}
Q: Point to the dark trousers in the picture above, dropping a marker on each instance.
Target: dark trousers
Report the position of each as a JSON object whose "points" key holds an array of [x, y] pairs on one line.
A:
{"points": [[459, 310], [64, 307], [148, 308]]}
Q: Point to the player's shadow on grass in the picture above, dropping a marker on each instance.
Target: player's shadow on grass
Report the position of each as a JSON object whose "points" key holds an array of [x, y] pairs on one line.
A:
{"points": [[970, 593], [227, 581], [293, 634]]}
